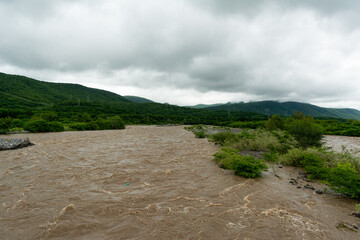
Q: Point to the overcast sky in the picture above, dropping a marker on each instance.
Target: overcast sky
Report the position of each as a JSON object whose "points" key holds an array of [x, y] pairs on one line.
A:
{"points": [[187, 52]]}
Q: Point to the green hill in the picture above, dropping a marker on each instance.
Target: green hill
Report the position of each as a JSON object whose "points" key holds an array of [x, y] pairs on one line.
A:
{"points": [[23, 99], [288, 108], [136, 99], [20, 91]]}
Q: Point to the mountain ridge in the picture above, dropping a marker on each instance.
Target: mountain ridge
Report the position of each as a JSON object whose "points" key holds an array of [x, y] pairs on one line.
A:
{"points": [[20, 91], [137, 99], [288, 108], [28, 91]]}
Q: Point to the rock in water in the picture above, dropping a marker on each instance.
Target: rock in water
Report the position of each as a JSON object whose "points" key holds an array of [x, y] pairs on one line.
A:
{"points": [[14, 143]]}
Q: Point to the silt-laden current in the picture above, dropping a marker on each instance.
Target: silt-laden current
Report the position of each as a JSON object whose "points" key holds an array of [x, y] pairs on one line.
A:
{"points": [[149, 182]]}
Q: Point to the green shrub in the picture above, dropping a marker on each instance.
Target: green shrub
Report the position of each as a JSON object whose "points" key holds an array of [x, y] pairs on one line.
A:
{"points": [[305, 131], [91, 126], [200, 134], [103, 124], [56, 126], [316, 162], [346, 180], [351, 132], [5, 124], [341, 174], [274, 123], [287, 141], [345, 157], [196, 128], [223, 137], [223, 156], [43, 126], [78, 126], [100, 124], [246, 166], [315, 166], [255, 140], [357, 206], [116, 122], [271, 157]]}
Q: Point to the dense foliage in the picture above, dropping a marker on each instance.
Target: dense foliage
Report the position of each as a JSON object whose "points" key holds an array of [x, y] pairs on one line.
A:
{"points": [[24, 100], [304, 130], [45, 93], [293, 141], [340, 170], [246, 166], [43, 126]]}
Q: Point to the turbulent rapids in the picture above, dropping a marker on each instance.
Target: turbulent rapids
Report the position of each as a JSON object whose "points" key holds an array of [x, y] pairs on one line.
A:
{"points": [[149, 182]]}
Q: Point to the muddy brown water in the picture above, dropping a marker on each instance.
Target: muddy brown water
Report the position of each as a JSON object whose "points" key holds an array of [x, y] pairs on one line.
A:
{"points": [[351, 144], [149, 182]]}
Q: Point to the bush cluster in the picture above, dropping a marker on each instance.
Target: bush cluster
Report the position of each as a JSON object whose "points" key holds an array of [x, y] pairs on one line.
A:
{"points": [[294, 141], [5, 124], [256, 140], [43, 126], [200, 134], [100, 124], [246, 166], [304, 129], [339, 170]]}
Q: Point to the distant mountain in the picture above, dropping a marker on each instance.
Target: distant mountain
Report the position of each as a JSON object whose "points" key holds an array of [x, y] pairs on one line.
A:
{"points": [[23, 91], [288, 108], [200, 106], [136, 99], [17, 92]]}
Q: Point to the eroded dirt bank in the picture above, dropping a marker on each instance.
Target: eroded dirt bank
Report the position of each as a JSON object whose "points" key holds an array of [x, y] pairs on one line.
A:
{"points": [[150, 182]]}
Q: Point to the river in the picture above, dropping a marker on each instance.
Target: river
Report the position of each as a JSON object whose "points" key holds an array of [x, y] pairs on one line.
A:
{"points": [[149, 182]]}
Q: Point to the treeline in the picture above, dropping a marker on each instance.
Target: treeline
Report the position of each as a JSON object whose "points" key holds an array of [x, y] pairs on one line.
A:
{"points": [[74, 115], [328, 126]]}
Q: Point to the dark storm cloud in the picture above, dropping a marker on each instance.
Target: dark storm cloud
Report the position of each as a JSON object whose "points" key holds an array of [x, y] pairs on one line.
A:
{"points": [[280, 49]]}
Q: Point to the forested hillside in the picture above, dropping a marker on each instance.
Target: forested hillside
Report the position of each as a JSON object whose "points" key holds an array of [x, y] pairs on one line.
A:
{"points": [[19, 91], [136, 99], [288, 109], [34, 105]]}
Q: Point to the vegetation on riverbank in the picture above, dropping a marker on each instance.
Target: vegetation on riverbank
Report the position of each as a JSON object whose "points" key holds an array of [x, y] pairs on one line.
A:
{"points": [[295, 141], [69, 115]]}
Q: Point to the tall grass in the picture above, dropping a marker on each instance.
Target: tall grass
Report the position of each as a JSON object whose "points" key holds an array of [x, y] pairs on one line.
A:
{"points": [[255, 140]]}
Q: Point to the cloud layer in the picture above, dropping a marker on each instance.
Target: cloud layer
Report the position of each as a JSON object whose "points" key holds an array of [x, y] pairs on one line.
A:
{"points": [[190, 51]]}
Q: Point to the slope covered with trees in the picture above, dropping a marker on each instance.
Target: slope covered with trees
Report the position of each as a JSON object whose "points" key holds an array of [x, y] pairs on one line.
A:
{"points": [[19, 91], [34, 105], [136, 99], [288, 109]]}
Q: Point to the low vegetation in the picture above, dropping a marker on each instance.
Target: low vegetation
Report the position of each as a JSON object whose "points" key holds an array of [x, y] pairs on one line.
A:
{"points": [[246, 166], [294, 141]]}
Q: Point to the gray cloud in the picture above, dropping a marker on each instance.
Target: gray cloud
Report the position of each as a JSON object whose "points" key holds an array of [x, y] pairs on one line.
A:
{"points": [[250, 6], [285, 50]]}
